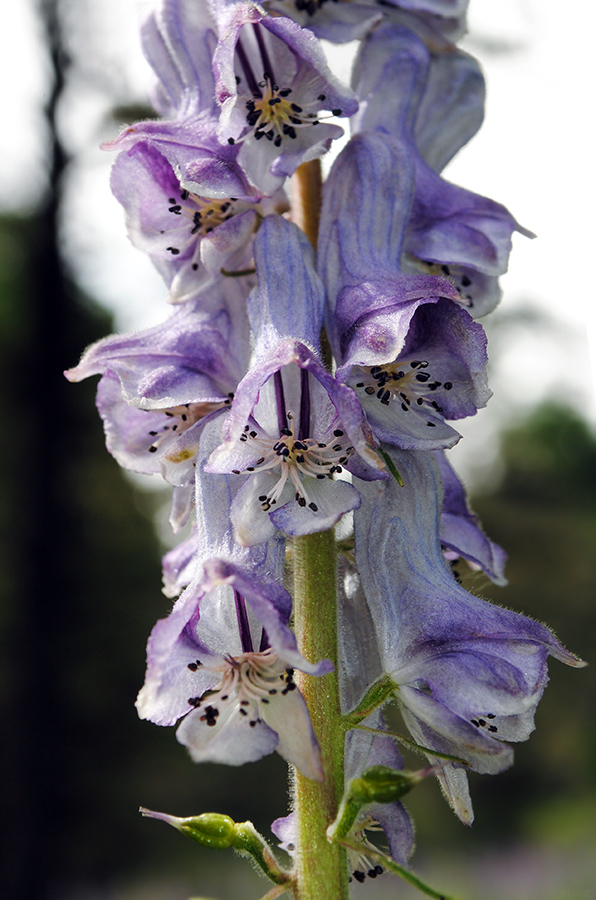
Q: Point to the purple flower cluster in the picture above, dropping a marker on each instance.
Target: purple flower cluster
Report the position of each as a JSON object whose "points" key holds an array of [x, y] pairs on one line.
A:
{"points": [[262, 438]]}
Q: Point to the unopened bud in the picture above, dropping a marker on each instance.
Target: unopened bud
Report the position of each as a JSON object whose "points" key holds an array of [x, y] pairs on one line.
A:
{"points": [[379, 784], [209, 829]]}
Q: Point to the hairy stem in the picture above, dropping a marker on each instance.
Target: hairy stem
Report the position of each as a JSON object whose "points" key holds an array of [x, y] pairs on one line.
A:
{"points": [[321, 866]]}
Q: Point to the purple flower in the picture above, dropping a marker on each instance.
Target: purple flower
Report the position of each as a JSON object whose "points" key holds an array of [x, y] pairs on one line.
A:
{"points": [[468, 674], [438, 22], [292, 425], [272, 82], [404, 343], [431, 369], [160, 383], [293, 428], [190, 238], [450, 230], [178, 41], [224, 661], [439, 105]]}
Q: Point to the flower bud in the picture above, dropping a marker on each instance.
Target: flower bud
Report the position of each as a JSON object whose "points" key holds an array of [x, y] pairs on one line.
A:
{"points": [[209, 829], [379, 784]]}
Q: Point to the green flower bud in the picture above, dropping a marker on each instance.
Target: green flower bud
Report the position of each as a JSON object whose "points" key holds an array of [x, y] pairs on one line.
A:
{"points": [[220, 833], [379, 784], [209, 829], [383, 785]]}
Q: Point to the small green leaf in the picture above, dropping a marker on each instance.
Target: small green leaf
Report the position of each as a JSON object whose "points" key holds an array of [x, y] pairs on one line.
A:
{"points": [[375, 696], [391, 466]]}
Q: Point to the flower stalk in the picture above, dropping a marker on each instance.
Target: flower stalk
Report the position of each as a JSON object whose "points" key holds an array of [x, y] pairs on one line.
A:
{"points": [[321, 866]]}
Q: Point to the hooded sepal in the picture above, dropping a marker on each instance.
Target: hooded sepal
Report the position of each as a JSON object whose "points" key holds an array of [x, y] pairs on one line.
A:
{"points": [[469, 674]]}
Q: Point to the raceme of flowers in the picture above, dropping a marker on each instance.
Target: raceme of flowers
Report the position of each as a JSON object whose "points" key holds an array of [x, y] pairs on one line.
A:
{"points": [[234, 403]]}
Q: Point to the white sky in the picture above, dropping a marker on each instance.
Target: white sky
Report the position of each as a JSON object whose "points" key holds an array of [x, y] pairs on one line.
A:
{"points": [[534, 154]]}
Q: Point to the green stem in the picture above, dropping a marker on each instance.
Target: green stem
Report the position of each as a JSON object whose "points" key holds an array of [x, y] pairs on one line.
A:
{"points": [[321, 866]]}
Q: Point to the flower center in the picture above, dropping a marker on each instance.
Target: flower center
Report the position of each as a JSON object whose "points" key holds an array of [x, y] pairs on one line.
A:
{"points": [[274, 116], [460, 277], [294, 459], [247, 681], [269, 111], [203, 214], [180, 418], [405, 382]]}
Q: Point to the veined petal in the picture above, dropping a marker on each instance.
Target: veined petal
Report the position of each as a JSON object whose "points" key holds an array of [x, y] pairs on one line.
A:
{"points": [[289, 299], [233, 739], [332, 500], [288, 717]]}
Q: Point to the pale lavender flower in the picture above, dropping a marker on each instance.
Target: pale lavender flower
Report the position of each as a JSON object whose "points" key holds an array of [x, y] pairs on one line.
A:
{"points": [[438, 22], [468, 674], [223, 660], [272, 82], [449, 230], [191, 239], [160, 383], [403, 342], [292, 425]]}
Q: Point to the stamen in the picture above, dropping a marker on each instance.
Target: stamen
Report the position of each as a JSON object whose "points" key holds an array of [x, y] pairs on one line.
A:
{"points": [[180, 419], [405, 381], [296, 458]]}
